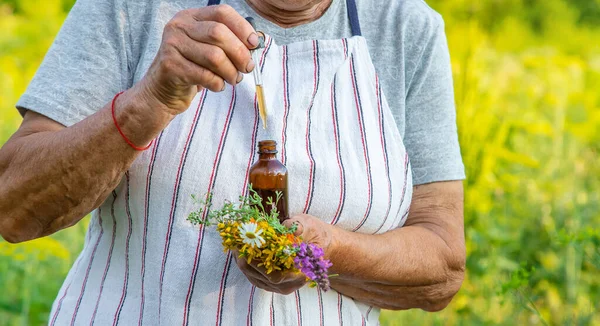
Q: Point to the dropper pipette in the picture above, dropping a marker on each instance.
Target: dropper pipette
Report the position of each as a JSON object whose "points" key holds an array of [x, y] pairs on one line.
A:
{"points": [[262, 109]]}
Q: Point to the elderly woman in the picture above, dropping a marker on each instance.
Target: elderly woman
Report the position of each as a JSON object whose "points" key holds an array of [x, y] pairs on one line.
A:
{"points": [[139, 104]]}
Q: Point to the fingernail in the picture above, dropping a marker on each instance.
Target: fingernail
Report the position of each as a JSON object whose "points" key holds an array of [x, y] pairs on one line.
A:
{"points": [[224, 85], [299, 228], [239, 77], [250, 65], [253, 40]]}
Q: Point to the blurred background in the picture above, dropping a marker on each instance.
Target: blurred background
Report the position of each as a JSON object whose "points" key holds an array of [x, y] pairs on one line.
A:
{"points": [[527, 79]]}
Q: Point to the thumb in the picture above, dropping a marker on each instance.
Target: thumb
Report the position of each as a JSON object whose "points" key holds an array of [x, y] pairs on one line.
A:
{"points": [[290, 222]]}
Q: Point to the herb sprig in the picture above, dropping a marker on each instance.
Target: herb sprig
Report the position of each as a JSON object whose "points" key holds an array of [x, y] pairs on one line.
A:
{"points": [[247, 209]]}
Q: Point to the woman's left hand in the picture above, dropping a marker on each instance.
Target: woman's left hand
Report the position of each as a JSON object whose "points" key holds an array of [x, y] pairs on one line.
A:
{"points": [[420, 265], [312, 230]]}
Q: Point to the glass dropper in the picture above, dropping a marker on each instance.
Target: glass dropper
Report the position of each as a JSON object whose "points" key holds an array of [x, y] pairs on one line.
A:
{"points": [[260, 97]]}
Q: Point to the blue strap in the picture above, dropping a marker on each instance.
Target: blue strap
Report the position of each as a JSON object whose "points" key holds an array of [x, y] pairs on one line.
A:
{"points": [[352, 15]]}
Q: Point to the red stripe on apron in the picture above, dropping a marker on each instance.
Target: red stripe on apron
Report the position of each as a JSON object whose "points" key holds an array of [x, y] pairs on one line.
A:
{"points": [[211, 184], [336, 136], [175, 195], [311, 180], [146, 212], [126, 281], [340, 309], [361, 123], [222, 288], [60, 301], [272, 311], [286, 103], [62, 298], [321, 317], [369, 311], [107, 267], [298, 307], [403, 191], [98, 300], [250, 304], [385, 153]]}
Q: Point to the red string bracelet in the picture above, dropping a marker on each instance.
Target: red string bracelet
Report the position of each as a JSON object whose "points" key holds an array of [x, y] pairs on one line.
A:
{"points": [[119, 128]]}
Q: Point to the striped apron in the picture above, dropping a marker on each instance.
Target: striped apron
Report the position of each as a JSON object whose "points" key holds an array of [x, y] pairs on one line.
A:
{"points": [[144, 263]]}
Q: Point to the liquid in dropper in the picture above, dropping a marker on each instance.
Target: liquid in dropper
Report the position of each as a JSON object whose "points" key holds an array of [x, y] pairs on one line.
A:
{"points": [[262, 109]]}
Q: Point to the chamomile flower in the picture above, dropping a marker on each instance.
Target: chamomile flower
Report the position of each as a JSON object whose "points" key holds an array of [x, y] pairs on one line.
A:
{"points": [[250, 234]]}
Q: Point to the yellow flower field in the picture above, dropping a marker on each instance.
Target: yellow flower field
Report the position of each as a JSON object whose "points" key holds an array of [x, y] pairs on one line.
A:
{"points": [[527, 81]]}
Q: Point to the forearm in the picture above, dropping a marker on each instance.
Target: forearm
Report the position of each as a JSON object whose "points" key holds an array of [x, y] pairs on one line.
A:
{"points": [[418, 266], [405, 268], [50, 179]]}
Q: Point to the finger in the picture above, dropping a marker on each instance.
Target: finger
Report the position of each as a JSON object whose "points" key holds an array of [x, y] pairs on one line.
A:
{"points": [[294, 221], [210, 57], [284, 289], [275, 277], [290, 283], [193, 74], [248, 269], [289, 290], [198, 75], [280, 278], [261, 284], [220, 35], [285, 284], [227, 15], [294, 281]]}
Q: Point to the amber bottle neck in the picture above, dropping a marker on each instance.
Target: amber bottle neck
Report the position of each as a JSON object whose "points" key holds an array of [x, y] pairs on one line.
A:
{"points": [[266, 156]]}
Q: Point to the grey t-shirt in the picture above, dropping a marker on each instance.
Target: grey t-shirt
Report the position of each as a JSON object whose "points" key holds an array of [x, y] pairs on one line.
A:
{"points": [[105, 46]]}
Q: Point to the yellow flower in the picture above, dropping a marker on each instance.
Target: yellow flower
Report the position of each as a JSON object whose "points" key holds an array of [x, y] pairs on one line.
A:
{"points": [[257, 241]]}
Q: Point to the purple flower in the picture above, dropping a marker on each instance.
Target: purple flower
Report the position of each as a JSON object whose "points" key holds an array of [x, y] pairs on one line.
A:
{"points": [[309, 260]]}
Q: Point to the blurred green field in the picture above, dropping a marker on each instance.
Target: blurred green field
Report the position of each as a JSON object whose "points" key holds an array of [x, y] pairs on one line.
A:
{"points": [[527, 78]]}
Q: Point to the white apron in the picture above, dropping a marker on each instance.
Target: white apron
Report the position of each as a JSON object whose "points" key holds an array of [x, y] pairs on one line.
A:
{"points": [[144, 263]]}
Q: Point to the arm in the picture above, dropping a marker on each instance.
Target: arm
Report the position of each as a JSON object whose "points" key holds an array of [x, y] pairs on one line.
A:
{"points": [[52, 176], [420, 265]]}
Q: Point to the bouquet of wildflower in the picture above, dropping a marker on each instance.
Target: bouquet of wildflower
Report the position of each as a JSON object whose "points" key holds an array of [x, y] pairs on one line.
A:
{"points": [[260, 237]]}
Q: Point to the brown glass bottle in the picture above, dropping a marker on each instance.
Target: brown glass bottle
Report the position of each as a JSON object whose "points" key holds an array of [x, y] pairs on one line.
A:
{"points": [[269, 176]]}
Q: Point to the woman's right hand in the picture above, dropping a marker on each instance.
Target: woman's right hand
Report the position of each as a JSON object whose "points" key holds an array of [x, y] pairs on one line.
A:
{"points": [[201, 48]]}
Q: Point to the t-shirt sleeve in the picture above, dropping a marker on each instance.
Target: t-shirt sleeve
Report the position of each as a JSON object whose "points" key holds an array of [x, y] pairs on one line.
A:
{"points": [[85, 66], [431, 137]]}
